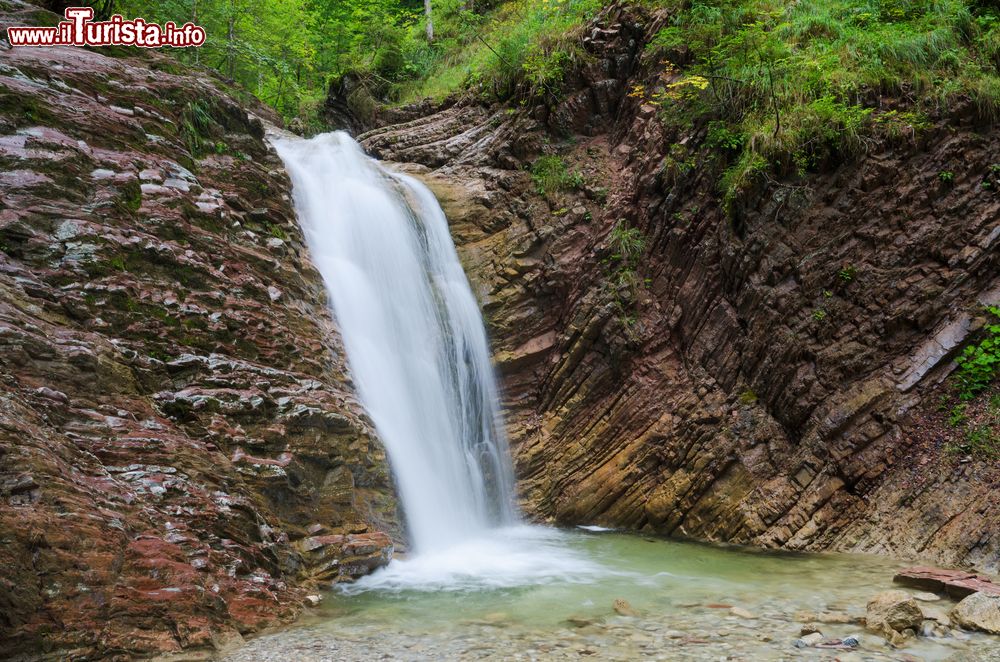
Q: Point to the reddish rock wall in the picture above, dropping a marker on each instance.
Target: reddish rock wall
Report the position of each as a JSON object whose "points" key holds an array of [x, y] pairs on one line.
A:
{"points": [[175, 417]]}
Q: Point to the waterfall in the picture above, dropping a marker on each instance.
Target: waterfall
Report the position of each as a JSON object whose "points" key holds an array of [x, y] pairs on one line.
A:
{"points": [[413, 333]]}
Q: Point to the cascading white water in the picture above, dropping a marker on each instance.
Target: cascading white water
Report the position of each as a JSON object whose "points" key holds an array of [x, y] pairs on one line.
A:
{"points": [[418, 353], [413, 333]]}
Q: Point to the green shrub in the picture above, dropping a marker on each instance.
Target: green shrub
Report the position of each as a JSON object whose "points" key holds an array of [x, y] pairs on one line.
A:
{"points": [[627, 245], [978, 364], [848, 273], [721, 136], [544, 70]]}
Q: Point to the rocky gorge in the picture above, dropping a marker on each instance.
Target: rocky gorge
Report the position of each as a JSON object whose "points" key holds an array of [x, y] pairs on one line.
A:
{"points": [[183, 457], [774, 376]]}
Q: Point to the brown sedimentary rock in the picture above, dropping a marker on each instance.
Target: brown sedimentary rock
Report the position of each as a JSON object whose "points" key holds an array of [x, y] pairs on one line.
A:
{"points": [[893, 611], [770, 376]]}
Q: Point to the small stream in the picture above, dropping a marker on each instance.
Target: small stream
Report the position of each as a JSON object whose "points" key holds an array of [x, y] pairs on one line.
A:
{"points": [[682, 594]]}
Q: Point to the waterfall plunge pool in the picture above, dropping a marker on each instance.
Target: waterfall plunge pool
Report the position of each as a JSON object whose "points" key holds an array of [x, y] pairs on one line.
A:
{"points": [[533, 593]]}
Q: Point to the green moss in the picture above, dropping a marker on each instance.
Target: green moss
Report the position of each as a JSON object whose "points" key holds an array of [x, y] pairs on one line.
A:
{"points": [[123, 302], [130, 196], [276, 231], [161, 267], [195, 323], [24, 109]]}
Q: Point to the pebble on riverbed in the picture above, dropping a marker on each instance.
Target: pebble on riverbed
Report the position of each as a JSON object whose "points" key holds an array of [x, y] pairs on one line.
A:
{"points": [[817, 640], [809, 640]]}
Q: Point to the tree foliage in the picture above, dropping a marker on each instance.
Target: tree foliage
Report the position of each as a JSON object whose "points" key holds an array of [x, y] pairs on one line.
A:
{"points": [[775, 77], [285, 51]]}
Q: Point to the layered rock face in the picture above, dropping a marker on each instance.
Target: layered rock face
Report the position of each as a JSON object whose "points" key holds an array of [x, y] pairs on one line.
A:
{"points": [[181, 451], [770, 377]]}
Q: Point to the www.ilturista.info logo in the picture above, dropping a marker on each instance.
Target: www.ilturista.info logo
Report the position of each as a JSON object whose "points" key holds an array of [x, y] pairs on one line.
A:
{"points": [[80, 30]]}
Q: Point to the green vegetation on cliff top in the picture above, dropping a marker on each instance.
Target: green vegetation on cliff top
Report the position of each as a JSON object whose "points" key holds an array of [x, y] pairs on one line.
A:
{"points": [[793, 86], [802, 82]]}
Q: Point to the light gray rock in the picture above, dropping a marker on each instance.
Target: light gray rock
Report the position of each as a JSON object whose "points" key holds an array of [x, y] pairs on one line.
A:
{"points": [[978, 611], [809, 640]]}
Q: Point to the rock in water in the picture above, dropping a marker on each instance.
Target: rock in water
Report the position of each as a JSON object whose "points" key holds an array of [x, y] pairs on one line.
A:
{"points": [[979, 611], [624, 608], [935, 614], [580, 621], [925, 596], [955, 583], [809, 640], [891, 612]]}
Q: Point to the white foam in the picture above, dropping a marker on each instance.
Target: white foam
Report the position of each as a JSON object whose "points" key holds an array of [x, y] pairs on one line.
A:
{"points": [[503, 558]]}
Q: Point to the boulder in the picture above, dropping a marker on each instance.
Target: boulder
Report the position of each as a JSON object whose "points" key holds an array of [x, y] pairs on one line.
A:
{"points": [[979, 611], [893, 612]]}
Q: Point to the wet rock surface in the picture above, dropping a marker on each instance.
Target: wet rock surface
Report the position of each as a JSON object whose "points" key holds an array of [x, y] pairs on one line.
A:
{"points": [[979, 611], [954, 583], [175, 418], [771, 378], [893, 612]]}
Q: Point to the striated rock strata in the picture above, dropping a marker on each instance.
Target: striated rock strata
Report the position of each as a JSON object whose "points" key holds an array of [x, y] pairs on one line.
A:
{"points": [[769, 378], [180, 448]]}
